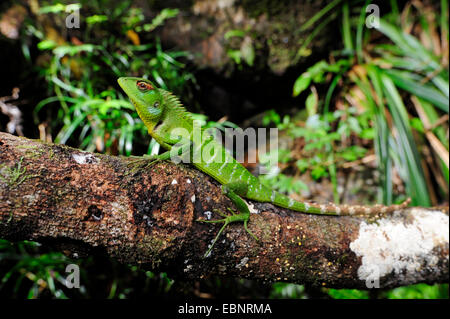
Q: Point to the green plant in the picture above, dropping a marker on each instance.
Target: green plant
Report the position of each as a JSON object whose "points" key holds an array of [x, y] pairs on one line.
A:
{"points": [[326, 147], [245, 52], [93, 112], [29, 270], [347, 294], [13, 176], [285, 290], [419, 291], [34, 274], [401, 83]]}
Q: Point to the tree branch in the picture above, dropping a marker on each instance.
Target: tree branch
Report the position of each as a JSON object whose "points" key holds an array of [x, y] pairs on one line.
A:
{"points": [[59, 195]]}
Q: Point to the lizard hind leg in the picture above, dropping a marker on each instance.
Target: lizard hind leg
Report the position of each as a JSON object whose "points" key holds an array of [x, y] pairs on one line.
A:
{"points": [[231, 191]]}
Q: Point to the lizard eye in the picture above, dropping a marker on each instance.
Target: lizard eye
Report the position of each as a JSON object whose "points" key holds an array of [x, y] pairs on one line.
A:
{"points": [[144, 86], [156, 105]]}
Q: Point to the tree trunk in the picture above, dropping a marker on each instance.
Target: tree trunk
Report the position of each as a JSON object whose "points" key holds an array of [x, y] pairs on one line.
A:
{"points": [[58, 195]]}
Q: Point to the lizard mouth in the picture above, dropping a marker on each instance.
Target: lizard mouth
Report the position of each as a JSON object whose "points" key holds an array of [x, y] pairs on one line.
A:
{"points": [[158, 125]]}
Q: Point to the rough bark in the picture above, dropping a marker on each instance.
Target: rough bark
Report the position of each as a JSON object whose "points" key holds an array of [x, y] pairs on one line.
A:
{"points": [[58, 195]]}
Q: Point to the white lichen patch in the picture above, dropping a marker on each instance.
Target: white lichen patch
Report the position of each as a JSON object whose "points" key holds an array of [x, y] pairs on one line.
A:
{"points": [[242, 263], [401, 245], [117, 207], [30, 199], [188, 268], [208, 214], [252, 208], [85, 158]]}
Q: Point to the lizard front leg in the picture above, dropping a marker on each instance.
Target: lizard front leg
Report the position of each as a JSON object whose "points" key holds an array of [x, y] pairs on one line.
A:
{"points": [[178, 150]]}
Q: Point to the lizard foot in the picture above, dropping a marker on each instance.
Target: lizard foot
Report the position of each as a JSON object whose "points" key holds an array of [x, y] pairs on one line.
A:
{"points": [[241, 217]]}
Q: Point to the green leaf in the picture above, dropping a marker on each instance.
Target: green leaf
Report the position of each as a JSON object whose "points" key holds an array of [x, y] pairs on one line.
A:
{"points": [[235, 55], [406, 146], [318, 172], [165, 14], [320, 14], [312, 103], [67, 130], [348, 294], [409, 45], [96, 19], [330, 91], [71, 50], [354, 125], [247, 51], [382, 133], [367, 133], [302, 164], [352, 153], [419, 291], [46, 45], [346, 29], [234, 33], [271, 116], [417, 124], [428, 93], [317, 71], [301, 83]]}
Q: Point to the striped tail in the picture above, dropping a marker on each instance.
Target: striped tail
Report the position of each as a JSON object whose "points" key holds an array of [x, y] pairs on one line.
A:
{"points": [[333, 209]]}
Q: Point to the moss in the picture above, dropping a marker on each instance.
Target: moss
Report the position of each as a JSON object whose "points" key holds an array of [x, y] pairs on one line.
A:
{"points": [[14, 176], [10, 216], [27, 146], [153, 247], [342, 260], [266, 233], [32, 151], [50, 153]]}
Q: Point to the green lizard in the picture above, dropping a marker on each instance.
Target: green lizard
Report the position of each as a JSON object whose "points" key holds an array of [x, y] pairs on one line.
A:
{"points": [[172, 127]]}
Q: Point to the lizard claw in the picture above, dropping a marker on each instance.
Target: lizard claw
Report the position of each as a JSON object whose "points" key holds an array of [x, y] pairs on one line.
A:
{"points": [[227, 220]]}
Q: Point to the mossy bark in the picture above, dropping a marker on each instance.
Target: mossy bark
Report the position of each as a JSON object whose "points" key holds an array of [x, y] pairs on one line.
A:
{"points": [[147, 216]]}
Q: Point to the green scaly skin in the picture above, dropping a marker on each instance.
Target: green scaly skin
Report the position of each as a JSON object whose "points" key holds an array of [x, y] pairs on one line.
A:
{"points": [[162, 113]]}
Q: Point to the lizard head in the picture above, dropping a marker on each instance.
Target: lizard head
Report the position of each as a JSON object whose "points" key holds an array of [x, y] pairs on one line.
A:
{"points": [[146, 98]]}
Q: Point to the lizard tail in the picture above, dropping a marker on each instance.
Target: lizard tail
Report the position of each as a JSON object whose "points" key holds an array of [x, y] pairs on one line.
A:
{"points": [[332, 209]]}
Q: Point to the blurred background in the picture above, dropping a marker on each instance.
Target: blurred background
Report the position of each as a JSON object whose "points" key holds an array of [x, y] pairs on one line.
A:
{"points": [[360, 98]]}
